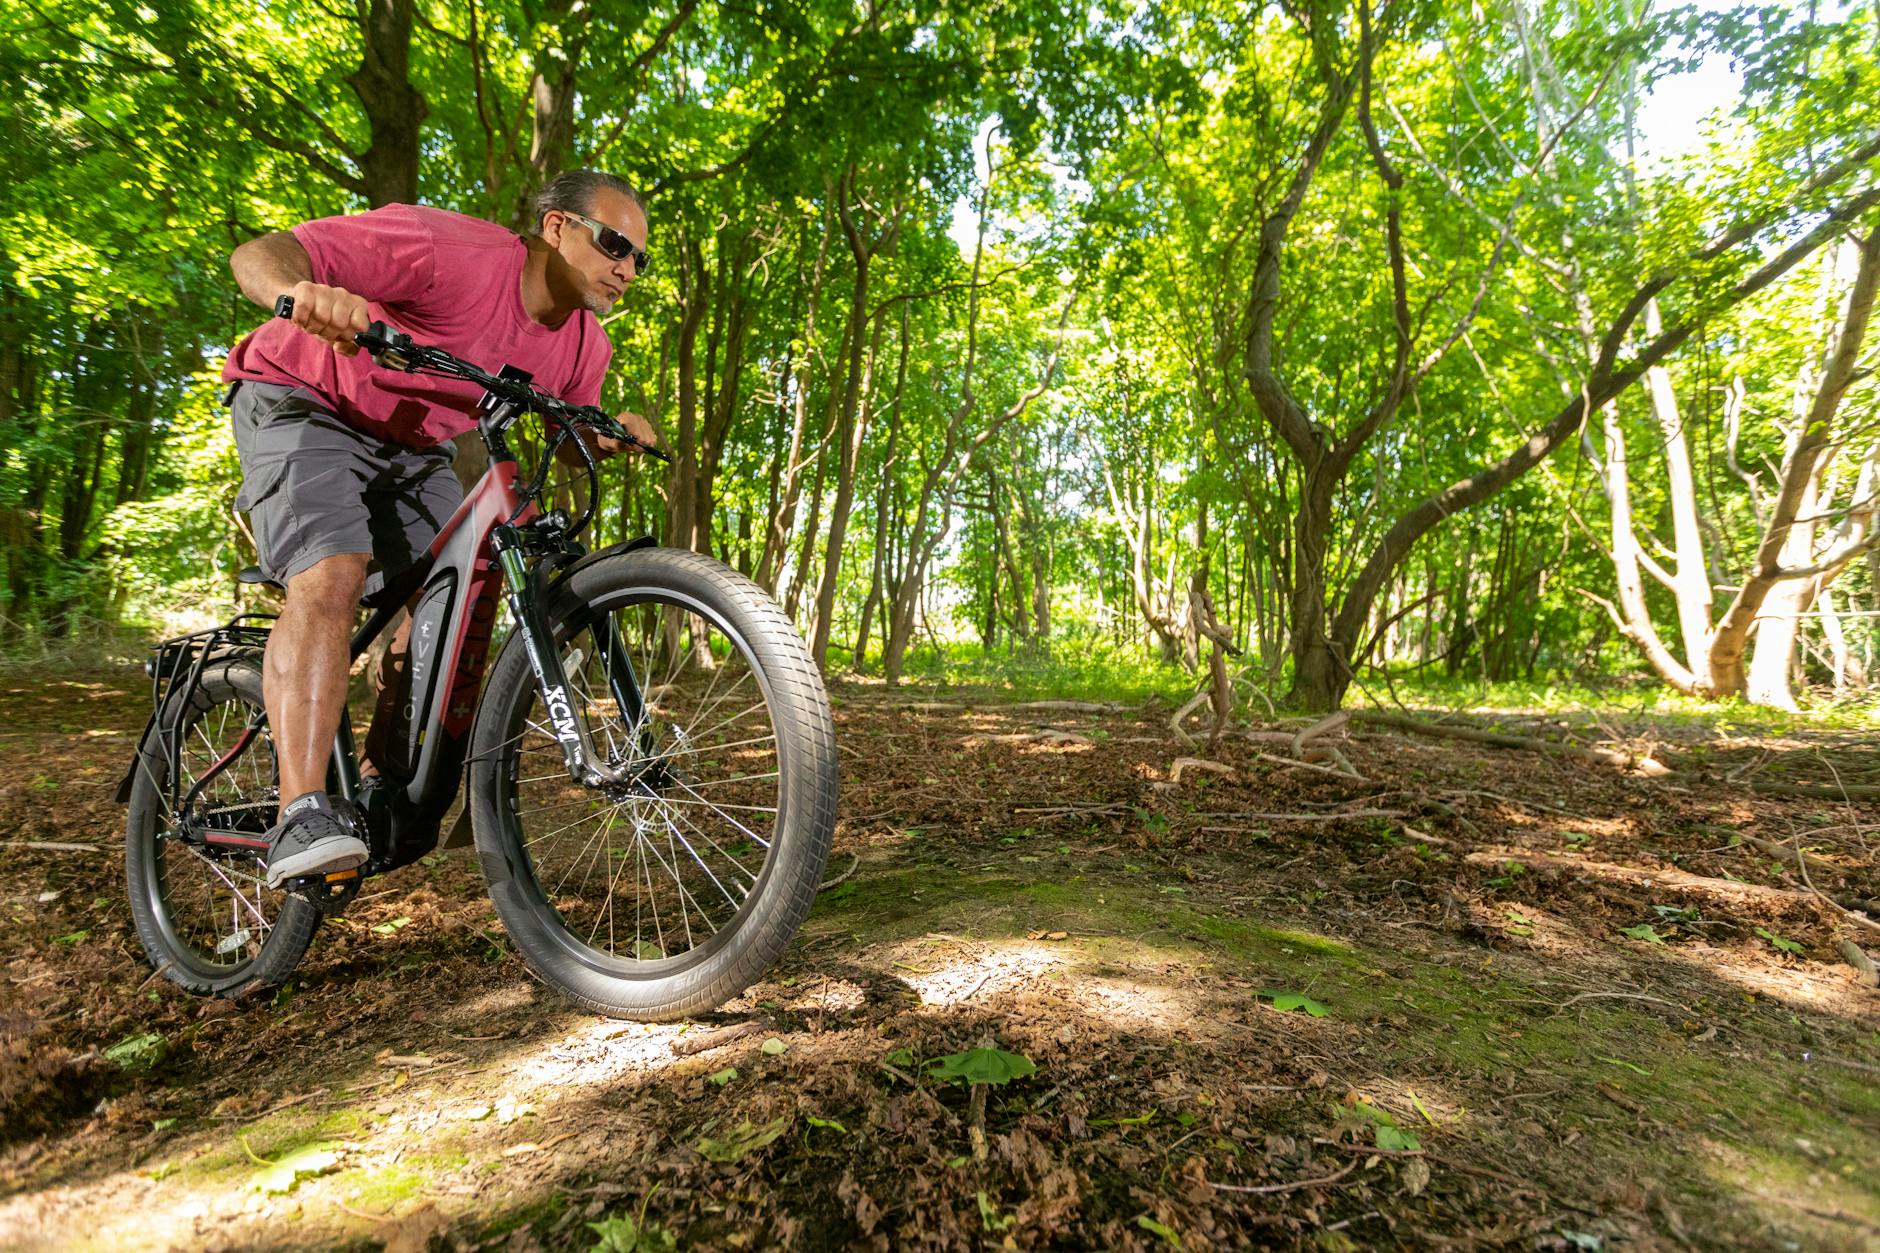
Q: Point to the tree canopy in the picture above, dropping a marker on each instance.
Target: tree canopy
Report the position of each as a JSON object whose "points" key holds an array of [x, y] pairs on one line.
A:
{"points": [[1287, 342]]}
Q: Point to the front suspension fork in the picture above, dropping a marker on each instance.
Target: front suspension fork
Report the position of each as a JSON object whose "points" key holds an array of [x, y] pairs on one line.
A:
{"points": [[586, 764]]}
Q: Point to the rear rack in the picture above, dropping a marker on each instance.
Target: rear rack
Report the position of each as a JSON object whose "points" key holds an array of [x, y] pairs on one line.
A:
{"points": [[181, 661]]}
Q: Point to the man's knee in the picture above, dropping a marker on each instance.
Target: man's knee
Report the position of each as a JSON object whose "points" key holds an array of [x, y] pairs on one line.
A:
{"points": [[330, 586]]}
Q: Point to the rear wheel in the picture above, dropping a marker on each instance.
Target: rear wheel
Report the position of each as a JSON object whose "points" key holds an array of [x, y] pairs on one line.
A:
{"points": [[672, 892], [206, 917]]}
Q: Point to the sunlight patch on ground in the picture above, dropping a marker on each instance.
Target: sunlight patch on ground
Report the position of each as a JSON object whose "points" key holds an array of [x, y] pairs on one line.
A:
{"points": [[601, 1052], [1832, 1192], [1000, 968]]}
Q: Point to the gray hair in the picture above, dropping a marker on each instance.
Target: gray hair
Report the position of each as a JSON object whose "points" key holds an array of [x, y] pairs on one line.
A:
{"points": [[572, 191]]}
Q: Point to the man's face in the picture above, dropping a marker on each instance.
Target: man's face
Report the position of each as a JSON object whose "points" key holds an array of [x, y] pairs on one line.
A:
{"points": [[597, 278]]}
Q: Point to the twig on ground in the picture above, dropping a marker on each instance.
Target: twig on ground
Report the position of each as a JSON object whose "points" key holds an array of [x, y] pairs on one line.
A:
{"points": [[844, 876], [1510, 800], [1617, 996], [1272, 1188], [1425, 837], [1452, 813], [1802, 860], [1337, 817], [687, 1046], [1452, 1163], [1288, 763], [1817, 791], [53, 846], [154, 975]]}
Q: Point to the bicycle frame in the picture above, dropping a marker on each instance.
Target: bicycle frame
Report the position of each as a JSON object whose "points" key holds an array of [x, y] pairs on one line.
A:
{"points": [[480, 555]]}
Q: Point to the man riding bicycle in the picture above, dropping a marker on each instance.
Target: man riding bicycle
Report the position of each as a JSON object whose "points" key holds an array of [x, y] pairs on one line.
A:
{"points": [[346, 471]]}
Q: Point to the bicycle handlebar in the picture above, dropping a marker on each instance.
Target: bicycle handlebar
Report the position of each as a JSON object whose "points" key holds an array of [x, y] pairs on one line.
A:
{"points": [[394, 350]]}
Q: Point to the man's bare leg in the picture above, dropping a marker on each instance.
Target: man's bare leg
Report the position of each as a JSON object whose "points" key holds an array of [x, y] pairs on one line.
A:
{"points": [[305, 670]]}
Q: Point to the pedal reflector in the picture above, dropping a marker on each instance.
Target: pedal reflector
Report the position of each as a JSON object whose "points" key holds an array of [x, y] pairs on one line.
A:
{"points": [[341, 875]]}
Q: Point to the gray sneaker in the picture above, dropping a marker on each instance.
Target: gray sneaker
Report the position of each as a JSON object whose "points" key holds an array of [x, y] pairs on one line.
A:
{"points": [[311, 839]]}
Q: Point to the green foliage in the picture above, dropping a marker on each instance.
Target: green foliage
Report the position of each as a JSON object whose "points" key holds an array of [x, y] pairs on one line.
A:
{"points": [[1285, 1001], [981, 1065], [870, 223], [741, 1140]]}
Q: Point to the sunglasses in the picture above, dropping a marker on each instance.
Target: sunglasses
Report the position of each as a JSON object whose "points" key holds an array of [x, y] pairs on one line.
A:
{"points": [[612, 242]]}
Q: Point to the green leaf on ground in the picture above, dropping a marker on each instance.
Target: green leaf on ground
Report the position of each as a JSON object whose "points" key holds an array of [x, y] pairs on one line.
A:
{"points": [[396, 924], [900, 1057], [990, 1218], [1287, 1001], [1782, 945], [1167, 1233], [774, 1046], [742, 1139], [138, 1052], [1136, 1121], [1385, 1130], [1644, 931], [621, 1234], [722, 1077], [830, 1123], [283, 1175], [994, 1066]]}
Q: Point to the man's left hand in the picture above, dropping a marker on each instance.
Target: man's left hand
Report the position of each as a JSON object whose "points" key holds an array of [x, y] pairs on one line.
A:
{"points": [[637, 426], [604, 446]]}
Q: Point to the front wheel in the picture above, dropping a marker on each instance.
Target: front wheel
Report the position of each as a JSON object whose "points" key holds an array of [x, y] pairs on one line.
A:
{"points": [[672, 892]]}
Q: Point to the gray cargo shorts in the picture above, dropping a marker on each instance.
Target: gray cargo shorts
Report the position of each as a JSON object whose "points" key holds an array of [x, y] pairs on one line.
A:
{"points": [[313, 486]]}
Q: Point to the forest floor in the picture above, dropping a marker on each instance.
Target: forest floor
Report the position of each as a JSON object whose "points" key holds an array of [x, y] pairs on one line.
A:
{"points": [[1280, 1008]]}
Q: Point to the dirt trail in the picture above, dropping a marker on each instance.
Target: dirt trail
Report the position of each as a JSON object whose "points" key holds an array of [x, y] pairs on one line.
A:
{"points": [[1421, 1026]]}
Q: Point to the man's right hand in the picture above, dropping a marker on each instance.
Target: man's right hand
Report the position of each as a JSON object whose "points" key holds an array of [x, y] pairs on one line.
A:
{"points": [[331, 313]]}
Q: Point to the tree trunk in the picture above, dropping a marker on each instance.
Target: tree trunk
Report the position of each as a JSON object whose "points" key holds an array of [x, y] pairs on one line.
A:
{"points": [[1812, 443], [394, 109]]}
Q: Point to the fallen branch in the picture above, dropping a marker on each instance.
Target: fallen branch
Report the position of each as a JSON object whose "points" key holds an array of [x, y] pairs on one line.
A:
{"points": [[1176, 718], [1070, 706], [53, 846], [1318, 728], [1794, 856], [1183, 764], [1645, 765], [1343, 771]]}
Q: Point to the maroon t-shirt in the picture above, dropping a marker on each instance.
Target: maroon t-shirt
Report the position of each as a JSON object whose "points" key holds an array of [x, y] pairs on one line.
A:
{"points": [[444, 279]]}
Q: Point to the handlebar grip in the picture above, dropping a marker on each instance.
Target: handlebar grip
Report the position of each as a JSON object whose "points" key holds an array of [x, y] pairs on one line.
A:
{"points": [[284, 307]]}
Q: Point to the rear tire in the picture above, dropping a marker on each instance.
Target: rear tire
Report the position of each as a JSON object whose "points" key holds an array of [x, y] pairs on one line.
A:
{"points": [[208, 921], [730, 819]]}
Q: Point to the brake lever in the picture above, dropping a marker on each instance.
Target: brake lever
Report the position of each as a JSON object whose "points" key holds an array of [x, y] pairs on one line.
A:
{"points": [[605, 424]]}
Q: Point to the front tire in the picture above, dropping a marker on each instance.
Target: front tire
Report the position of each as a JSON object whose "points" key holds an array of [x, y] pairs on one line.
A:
{"points": [[727, 823]]}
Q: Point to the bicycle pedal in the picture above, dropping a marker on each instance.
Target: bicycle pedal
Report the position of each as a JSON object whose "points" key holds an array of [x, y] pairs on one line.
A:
{"points": [[328, 893]]}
